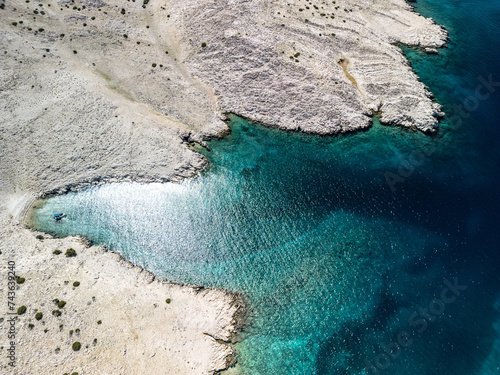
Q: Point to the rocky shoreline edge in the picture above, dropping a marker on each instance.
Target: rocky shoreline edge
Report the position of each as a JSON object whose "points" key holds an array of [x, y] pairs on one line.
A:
{"points": [[236, 302], [205, 328]]}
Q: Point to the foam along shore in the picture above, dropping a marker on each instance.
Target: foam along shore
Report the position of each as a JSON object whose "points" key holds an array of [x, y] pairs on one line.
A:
{"points": [[126, 321], [94, 92]]}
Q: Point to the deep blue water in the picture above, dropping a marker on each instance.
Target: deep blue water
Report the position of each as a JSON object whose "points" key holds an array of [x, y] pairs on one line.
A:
{"points": [[344, 271]]}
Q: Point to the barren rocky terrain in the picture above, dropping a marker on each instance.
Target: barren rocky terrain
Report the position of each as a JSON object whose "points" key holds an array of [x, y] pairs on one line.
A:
{"points": [[125, 320]]}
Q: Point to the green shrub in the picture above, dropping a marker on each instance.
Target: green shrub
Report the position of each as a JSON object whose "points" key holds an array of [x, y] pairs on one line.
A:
{"points": [[71, 332], [153, 65], [76, 346], [39, 237], [122, 11], [38, 316], [41, 30], [61, 304], [125, 36], [203, 45], [20, 280], [168, 300], [99, 322], [70, 252], [21, 310], [31, 326], [57, 252], [76, 283], [56, 313]]}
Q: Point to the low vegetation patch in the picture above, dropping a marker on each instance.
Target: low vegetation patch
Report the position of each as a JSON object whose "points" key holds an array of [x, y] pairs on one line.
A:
{"points": [[21, 310], [70, 252], [76, 346]]}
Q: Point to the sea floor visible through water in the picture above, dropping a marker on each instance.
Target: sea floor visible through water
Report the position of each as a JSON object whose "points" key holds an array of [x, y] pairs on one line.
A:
{"points": [[361, 254]]}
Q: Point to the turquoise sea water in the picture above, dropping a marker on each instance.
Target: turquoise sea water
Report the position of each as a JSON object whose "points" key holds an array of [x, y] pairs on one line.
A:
{"points": [[345, 274]]}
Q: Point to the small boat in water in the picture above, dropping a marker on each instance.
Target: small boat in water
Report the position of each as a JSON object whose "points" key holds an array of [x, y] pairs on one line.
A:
{"points": [[60, 216]]}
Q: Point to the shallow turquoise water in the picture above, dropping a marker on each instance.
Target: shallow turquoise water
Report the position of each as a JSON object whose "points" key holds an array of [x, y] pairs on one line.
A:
{"points": [[336, 263]]}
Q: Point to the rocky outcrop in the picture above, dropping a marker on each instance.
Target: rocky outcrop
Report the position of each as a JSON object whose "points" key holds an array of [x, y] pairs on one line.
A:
{"points": [[126, 320], [319, 67]]}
